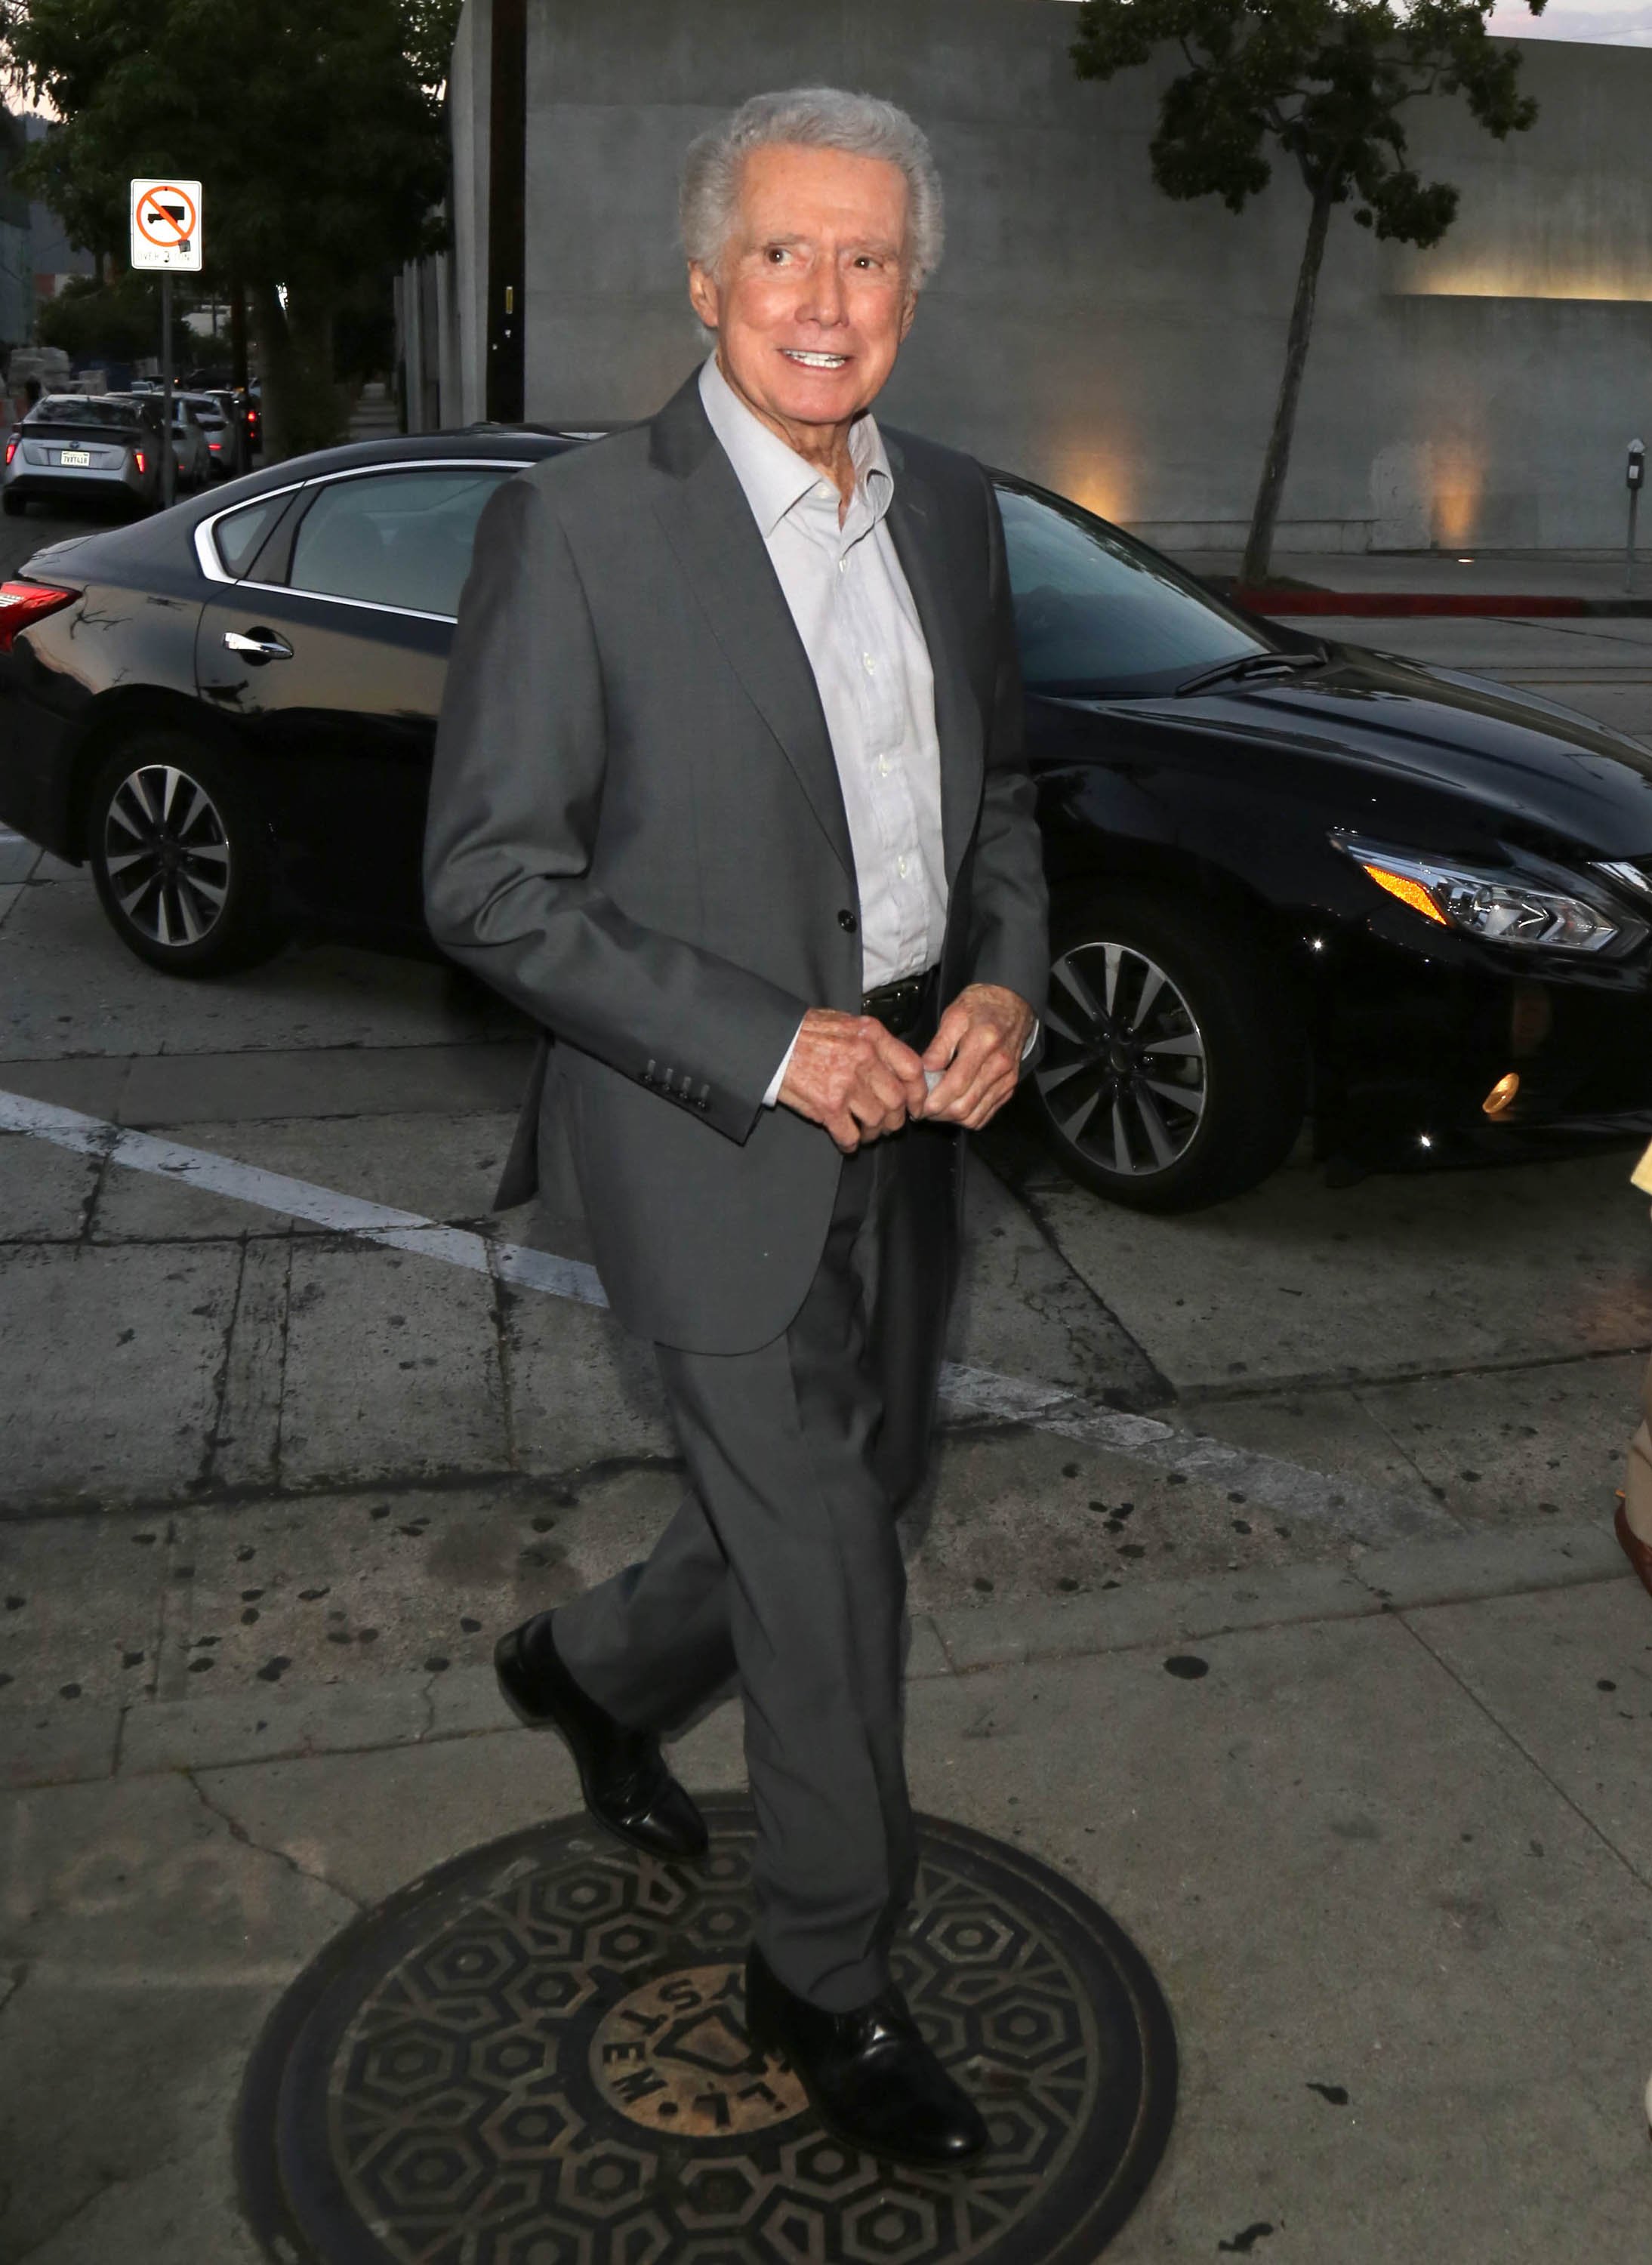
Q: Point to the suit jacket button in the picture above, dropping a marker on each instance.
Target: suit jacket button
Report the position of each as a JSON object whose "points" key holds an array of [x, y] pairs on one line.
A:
{"points": [[847, 922]]}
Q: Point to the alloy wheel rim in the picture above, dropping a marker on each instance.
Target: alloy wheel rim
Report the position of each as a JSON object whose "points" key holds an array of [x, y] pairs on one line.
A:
{"points": [[166, 851], [1124, 1081]]}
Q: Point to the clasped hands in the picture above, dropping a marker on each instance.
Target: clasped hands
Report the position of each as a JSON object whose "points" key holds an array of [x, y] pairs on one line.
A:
{"points": [[850, 1073]]}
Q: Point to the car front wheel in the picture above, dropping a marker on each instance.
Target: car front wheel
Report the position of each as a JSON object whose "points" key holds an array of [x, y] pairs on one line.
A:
{"points": [[1173, 1069], [180, 859]]}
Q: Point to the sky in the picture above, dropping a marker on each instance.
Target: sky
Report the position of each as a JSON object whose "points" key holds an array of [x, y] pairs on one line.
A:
{"points": [[1618, 23]]}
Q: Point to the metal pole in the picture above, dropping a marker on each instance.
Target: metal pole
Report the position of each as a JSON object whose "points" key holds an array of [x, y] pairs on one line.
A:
{"points": [[1628, 572], [169, 462]]}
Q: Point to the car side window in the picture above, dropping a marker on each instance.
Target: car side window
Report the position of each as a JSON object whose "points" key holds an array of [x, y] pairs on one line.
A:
{"points": [[238, 534], [400, 538]]}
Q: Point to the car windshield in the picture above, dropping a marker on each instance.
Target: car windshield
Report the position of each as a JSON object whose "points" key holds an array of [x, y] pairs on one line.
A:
{"points": [[80, 408], [1097, 614]]}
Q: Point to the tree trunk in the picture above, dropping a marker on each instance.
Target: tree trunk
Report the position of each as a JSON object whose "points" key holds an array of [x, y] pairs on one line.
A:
{"points": [[1259, 545], [238, 332], [275, 370], [302, 407]]}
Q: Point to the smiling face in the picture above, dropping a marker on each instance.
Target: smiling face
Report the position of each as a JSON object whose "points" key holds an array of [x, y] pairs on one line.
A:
{"points": [[809, 299]]}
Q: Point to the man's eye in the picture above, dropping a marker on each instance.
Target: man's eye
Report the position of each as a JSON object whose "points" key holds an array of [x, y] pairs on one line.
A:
{"points": [[775, 253]]}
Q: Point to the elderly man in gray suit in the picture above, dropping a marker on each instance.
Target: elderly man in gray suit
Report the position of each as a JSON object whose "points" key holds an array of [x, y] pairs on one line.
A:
{"points": [[729, 796]]}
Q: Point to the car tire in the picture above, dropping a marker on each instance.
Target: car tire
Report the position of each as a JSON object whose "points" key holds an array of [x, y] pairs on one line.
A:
{"points": [[181, 858], [1173, 1073], [16, 506]]}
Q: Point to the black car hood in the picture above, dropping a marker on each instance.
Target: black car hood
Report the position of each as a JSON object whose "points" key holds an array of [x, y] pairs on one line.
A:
{"points": [[1533, 769]]}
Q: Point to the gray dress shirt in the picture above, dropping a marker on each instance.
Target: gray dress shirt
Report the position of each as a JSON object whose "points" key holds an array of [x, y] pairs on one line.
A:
{"points": [[860, 629]]}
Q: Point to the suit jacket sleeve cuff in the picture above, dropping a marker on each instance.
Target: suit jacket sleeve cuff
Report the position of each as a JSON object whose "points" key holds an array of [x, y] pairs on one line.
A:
{"points": [[774, 1083]]}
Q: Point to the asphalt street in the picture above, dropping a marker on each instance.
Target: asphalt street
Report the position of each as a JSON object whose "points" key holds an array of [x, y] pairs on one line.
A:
{"points": [[287, 1433]]}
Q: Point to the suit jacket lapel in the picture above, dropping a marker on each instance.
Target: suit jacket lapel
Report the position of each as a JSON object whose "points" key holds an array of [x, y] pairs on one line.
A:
{"points": [[914, 524], [710, 526]]}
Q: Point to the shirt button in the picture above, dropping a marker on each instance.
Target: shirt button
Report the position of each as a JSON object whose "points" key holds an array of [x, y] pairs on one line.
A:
{"points": [[869, 664], [900, 867], [883, 765], [843, 565], [824, 493]]}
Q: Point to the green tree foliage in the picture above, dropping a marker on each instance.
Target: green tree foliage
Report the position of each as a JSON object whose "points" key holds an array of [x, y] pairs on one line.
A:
{"points": [[88, 318], [1324, 84], [314, 126]]}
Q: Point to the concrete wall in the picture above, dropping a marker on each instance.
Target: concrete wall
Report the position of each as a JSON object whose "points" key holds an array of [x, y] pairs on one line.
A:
{"points": [[1086, 330]]}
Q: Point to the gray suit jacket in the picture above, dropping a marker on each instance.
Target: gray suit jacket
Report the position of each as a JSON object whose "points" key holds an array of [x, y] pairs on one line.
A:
{"points": [[637, 834]]}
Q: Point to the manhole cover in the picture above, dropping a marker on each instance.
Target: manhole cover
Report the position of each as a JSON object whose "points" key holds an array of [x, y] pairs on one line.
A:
{"points": [[537, 2055]]}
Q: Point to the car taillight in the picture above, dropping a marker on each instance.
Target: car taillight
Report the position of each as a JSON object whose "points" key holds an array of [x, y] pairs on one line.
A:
{"points": [[12, 448], [139, 460], [22, 602]]}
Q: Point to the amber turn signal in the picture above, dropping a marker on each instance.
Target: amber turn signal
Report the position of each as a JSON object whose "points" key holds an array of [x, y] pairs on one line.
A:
{"points": [[1408, 892]]}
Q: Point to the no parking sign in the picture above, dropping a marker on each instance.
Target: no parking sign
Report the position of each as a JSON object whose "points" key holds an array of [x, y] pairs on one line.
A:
{"points": [[166, 226]]}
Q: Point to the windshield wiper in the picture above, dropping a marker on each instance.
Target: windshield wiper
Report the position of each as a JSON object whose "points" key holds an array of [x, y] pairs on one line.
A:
{"points": [[1251, 663]]}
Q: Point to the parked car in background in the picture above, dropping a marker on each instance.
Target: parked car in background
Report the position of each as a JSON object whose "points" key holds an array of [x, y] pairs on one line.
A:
{"points": [[222, 439], [236, 412], [1289, 878], [76, 448], [190, 449]]}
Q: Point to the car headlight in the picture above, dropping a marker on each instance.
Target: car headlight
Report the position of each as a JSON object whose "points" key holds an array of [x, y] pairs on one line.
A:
{"points": [[1500, 907]]}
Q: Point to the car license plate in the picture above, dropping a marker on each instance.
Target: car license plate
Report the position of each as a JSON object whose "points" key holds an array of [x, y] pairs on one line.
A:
{"points": [[76, 456]]}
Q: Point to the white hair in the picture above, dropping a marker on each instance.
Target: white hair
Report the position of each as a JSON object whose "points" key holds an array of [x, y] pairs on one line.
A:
{"points": [[819, 117]]}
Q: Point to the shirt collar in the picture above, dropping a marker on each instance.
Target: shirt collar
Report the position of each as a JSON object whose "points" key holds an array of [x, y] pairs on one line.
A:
{"points": [[773, 477]]}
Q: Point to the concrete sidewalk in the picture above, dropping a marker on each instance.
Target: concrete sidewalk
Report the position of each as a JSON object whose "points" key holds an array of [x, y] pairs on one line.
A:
{"points": [[1382, 1829], [268, 1490]]}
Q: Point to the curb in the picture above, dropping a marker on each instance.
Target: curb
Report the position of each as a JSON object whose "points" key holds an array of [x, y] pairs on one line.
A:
{"points": [[1399, 605]]}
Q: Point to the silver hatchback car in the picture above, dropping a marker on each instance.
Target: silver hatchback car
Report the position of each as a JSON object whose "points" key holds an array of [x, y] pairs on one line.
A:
{"points": [[73, 446], [209, 412]]}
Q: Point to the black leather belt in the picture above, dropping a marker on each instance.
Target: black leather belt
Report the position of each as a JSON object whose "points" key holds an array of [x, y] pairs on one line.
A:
{"points": [[904, 1007]]}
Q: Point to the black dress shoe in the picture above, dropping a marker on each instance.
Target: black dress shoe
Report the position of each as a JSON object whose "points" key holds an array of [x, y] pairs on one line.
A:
{"points": [[626, 1785], [868, 2074]]}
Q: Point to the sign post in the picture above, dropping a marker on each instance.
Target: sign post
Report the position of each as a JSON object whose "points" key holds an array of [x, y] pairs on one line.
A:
{"points": [[166, 239]]}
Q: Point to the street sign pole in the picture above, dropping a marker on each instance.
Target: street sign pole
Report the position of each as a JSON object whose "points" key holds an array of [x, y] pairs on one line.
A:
{"points": [[168, 459], [166, 241]]}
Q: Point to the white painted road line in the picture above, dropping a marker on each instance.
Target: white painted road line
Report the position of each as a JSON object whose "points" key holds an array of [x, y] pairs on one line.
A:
{"points": [[1363, 1513], [969, 1395], [324, 1208]]}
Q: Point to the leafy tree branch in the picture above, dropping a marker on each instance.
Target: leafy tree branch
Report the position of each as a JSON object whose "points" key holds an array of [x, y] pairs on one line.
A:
{"points": [[1322, 84], [315, 127]]}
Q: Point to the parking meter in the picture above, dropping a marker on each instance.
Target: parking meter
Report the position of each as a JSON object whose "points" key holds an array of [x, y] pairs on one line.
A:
{"points": [[1634, 476]]}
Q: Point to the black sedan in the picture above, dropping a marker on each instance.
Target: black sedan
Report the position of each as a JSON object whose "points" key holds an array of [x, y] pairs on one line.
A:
{"points": [[1289, 878]]}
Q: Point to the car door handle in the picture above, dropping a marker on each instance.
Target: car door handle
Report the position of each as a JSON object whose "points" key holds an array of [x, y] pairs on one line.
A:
{"points": [[262, 644]]}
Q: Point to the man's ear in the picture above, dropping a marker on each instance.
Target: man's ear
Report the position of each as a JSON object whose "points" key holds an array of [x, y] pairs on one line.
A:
{"points": [[703, 295], [907, 313]]}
